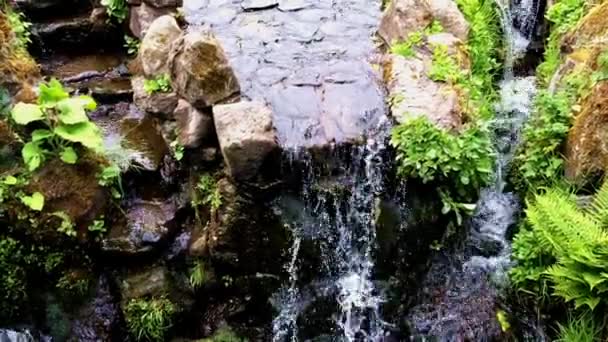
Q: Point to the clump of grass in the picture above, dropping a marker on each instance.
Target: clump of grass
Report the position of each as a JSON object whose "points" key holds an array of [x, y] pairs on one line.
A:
{"points": [[579, 329], [149, 319]]}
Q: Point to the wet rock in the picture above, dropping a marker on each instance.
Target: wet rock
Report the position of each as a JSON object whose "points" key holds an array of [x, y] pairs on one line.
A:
{"points": [[78, 33], [412, 93], [72, 189], [193, 125], [131, 138], [228, 238], [145, 225], [98, 318], [163, 3], [47, 8], [162, 104], [141, 17], [148, 282], [403, 17], [246, 136], [200, 72], [156, 45], [7, 335]]}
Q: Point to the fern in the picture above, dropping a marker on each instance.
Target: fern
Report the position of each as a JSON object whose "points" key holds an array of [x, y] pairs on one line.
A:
{"points": [[575, 241]]}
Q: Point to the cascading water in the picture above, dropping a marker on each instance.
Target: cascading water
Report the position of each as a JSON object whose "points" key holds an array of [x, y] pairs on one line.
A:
{"points": [[341, 222], [476, 270]]}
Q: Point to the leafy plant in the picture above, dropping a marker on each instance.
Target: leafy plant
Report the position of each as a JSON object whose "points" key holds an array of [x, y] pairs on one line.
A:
{"points": [[415, 39], [110, 177], [444, 67], [132, 45], [66, 226], [178, 150], [161, 84], [563, 14], [66, 123], [149, 319], [207, 193], [98, 226], [566, 247], [117, 9], [197, 274], [539, 161], [19, 26], [462, 162]]}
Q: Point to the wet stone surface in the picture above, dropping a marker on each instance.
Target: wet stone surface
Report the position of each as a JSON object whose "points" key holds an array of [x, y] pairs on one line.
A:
{"points": [[309, 59]]}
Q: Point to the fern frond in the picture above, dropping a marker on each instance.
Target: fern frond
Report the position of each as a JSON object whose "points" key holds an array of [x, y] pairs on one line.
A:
{"points": [[599, 207]]}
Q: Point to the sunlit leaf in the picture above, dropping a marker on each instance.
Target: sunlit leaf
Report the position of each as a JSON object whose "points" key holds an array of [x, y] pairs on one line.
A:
{"points": [[24, 113], [51, 93], [85, 133], [69, 156], [32, 155], [34, 202], [41, 134]]}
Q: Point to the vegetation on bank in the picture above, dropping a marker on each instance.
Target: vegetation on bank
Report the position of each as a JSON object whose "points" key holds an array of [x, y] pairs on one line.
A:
{"points": [[461, 162]]}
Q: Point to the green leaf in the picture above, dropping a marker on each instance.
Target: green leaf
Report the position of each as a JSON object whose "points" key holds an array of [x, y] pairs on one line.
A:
{"points": [[41, 134], [24, 113], [72, 110], [86, 133], [34, 202], [68, 155], [32, 155], [9, 180], [51, 93]]}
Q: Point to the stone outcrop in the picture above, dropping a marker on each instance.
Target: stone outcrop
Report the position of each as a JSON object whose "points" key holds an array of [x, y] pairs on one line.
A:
{"points": [[200, 72], [414, 94], [142, 16], [193, 125], [586, 151], [403, 17], [246, 136], [156, 45]]}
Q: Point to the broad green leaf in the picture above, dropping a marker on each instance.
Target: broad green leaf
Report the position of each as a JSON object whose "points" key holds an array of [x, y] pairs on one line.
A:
{"points": [[9, 180], [32, 155], [85, 133], [51, 93], [41, 134], [24, 113], [71, 111], [68, 155], [34, 202]]}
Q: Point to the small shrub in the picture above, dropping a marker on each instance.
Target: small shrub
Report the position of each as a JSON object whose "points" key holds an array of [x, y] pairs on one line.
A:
{"points": [[67, 125], [160, 84], [149, 319], [444, 67], [132, 45], [117, 9], [462, 162], [207, 193]]}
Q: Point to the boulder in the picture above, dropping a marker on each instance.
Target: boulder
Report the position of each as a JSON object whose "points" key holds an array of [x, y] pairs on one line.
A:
{"points": [[414, 94], [156, 45], [193, 126], [162, 104], [403, 17], [141, 17], [587, 144], [246, 136], [200, 72], [145, 225], [7, 335], [131, 138]]}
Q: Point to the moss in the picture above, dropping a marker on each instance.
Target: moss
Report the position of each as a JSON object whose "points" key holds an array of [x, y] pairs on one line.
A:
{"points": [[17, 68]]}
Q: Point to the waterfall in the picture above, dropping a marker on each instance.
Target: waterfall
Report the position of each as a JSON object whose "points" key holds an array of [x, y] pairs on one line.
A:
{"points": [[342, 224]]}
